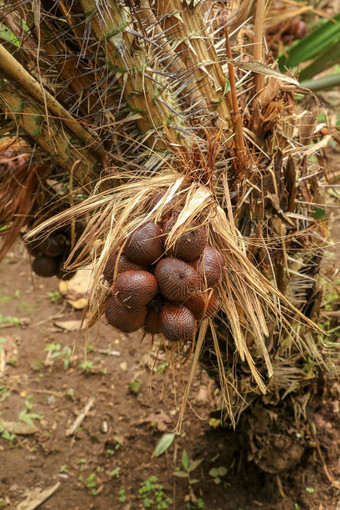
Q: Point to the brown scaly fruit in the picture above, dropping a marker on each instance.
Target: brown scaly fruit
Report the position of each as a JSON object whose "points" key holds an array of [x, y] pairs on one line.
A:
{"points": [[190, 245], [135, 288], [54, 245], [211, 266], [153, 319], [177, 280], [145, 246], [124, 264], [122, 318], [177, 322], [204, 304]]}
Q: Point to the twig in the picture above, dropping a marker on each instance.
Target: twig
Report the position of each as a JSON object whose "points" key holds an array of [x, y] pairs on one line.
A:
{"points": [[318, 449], [258, 36], [235, 114], [36, 497], [80, 417]]}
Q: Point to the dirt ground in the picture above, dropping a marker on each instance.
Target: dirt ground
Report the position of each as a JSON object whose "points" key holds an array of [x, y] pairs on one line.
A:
{"points": [[107, 462]]}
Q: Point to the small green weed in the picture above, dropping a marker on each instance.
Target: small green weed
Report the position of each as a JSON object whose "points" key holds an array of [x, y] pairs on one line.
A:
{"points": [[135, 386], [116, 443], [6, 320], [54, 296], [86, 366], [115, 472], [162, 367], [57, 351], [151, 493], [91, 483], [218, 473], [188, 466], [5, 434], [26, 416], [122, 495]]}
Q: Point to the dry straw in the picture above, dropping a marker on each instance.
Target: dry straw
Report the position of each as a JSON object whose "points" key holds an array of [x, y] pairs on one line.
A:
{"points": [[182, 98]]}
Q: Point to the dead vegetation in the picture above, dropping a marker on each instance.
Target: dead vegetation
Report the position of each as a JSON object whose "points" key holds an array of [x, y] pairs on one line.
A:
{"points": [[126, 100]]}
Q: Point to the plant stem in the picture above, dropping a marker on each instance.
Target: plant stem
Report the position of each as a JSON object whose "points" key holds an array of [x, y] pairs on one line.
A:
{"points": [[258, 37], [57, 141], [14, 70], [235, 114]]}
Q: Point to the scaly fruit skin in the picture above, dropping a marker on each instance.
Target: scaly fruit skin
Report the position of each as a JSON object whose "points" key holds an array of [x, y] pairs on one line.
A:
{"points": [[177, 322], [211, 265], [122, 318], [54, 245], [177, 280], [189, 246], [152, 323], [135, 289], [145, 246], [124, 264], [204, 304]]}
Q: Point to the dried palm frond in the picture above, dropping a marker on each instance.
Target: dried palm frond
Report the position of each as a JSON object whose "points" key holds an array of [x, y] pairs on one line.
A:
{"points": [[181, 101]]}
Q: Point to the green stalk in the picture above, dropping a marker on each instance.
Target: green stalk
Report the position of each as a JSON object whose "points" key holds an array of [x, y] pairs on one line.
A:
{"points": [[325, 82], [54, 138]]}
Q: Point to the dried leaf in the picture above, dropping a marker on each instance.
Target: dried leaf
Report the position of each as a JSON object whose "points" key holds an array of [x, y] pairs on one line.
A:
{"points": [[259, 68], [71, 325], [36, 497], [20, 428]]}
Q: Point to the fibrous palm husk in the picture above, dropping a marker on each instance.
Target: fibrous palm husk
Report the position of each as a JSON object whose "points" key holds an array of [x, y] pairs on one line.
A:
{"points": [[173, 98]]}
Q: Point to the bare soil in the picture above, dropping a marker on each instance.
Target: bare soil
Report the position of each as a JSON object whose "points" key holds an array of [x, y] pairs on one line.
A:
{"points": [[108, 460]]}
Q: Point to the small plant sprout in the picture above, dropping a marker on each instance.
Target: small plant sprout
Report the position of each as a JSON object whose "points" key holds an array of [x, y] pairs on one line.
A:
{"points": [[188, 466], [162, 367], [122, 495], [115, 472], [54, 296], [135, 386], [26, 416], [218, 473], [86, 366], [91, 483], [5, 434], [57, 351], [152, 495], [9, 321], [115, 445]]}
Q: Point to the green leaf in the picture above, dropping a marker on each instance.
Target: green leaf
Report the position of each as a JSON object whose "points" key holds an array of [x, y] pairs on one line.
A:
{"points": [[311, 45], [324, 60], [164, 444], [319, 213], [185, 460], [213, 472], [7, 35], [310, 490], [222, 471], [194, 464], [181, 474]]}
